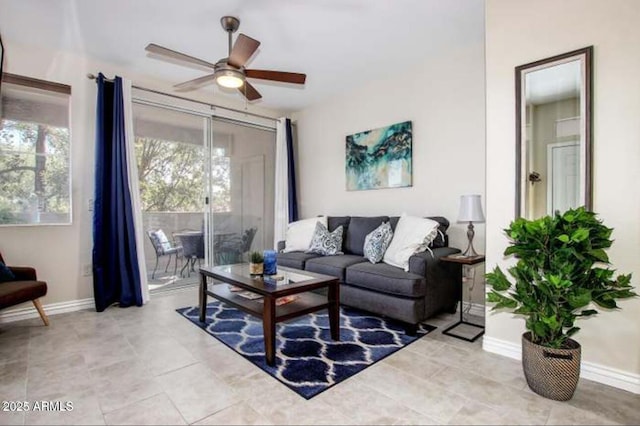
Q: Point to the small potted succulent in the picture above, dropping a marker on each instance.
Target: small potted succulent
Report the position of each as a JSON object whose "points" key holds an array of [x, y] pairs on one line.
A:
{"points": [[561, 274], [256, 263]]}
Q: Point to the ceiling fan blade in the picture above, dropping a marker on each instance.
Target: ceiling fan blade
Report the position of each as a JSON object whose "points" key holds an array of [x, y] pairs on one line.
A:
{"points": [[172, 54], [285, 77], [249, 92], [195, 83], [242, 50]]}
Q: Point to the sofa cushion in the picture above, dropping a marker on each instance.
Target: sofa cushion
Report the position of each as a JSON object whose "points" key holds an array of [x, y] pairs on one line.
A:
{"points": [[14, 292], [386, 279], [300, 233], [295, 259], [357, 231], [334, 221], [326, 243], [333, 265], [441, 239]]}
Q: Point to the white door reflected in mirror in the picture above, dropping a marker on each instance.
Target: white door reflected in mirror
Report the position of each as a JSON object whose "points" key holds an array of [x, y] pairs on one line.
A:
{"points": [[553, 134], [563, 184]]}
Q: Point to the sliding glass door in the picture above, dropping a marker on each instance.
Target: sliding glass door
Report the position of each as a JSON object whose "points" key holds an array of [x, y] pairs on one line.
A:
{"points": [[171, 150], [241, 220], [206, 187]]}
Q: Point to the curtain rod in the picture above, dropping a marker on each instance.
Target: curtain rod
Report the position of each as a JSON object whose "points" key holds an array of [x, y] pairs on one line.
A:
{"points": [[157, 92]]}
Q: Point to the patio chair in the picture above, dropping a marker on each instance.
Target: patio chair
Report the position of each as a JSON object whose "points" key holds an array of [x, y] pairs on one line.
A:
{"points": [[233, 250], [163, 247], [192, 243]]}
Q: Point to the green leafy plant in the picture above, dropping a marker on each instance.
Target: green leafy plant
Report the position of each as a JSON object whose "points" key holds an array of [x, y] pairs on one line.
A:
{"points": [[256, 257], [561, 270]]}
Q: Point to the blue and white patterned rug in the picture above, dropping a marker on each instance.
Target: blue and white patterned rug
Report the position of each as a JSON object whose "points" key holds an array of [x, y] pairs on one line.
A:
{"points": [[307, 359]]}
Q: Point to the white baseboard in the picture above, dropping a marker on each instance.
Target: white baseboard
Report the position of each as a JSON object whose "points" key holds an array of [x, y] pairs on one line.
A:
{"points": [[63, 307], [50, 309], [502, 347], [588, 370]]}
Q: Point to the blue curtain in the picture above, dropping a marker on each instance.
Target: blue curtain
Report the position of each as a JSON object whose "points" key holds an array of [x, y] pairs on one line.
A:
{"points": [[291, 172], [116, 277]]}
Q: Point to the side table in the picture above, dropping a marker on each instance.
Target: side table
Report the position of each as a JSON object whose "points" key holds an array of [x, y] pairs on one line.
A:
{"points": [[466, 262]]}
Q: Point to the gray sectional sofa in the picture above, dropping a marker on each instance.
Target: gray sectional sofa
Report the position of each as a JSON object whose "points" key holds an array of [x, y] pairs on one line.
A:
{"points": [[430, 286]]}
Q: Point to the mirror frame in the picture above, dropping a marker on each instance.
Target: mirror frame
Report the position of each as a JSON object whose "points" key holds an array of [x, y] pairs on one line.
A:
{"points": [[586, 129], [1, 60]]}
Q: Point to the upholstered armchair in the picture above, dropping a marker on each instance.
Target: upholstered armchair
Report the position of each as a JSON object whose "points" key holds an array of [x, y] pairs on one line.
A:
{"points": [[19, 284]]}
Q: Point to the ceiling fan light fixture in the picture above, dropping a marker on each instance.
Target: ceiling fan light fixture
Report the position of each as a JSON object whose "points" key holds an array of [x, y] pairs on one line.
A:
{"points": [[229, 78], [229, 72]]}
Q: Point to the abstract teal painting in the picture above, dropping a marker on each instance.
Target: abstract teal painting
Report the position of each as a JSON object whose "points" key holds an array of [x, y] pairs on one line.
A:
{"points": [[379, 158]]}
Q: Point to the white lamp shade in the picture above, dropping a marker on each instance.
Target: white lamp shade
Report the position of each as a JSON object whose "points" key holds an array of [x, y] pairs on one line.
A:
{"points": [[470, 209]]}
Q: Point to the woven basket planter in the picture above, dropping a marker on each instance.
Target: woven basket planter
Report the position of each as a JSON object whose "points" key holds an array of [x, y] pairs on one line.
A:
{"points": [[552, 373]]}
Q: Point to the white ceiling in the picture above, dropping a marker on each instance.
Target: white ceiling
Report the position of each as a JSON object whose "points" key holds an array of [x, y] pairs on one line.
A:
{"points": [[339, 44]]}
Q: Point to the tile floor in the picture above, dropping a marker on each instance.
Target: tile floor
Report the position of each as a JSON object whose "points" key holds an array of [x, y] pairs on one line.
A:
{"points": [[151, 366]]}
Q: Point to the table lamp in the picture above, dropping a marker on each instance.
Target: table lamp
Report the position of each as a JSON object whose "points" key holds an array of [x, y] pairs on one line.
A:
{"points": [[470, 211]]}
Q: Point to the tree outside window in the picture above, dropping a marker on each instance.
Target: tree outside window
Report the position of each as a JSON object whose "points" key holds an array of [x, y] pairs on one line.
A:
{"points": [[34, 156], [172, 178]]}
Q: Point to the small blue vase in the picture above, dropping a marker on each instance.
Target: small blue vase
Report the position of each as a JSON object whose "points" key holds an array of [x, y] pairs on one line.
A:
{"points": [[270, 262]]}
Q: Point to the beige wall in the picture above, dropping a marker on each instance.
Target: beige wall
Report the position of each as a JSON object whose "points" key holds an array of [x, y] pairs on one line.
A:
{"points": [[519, 32], [444, 98], [58, 252]]}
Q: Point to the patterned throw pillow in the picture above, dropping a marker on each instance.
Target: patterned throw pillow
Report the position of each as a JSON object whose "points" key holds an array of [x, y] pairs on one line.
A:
{"points": [[377, 241], [324, 242]]}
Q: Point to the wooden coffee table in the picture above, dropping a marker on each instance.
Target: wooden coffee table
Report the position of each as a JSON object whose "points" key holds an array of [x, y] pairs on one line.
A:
{"points": [[295, 282]]}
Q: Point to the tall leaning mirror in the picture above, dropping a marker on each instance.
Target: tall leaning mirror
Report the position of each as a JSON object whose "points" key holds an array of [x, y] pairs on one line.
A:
{"points": [[553, 134]]}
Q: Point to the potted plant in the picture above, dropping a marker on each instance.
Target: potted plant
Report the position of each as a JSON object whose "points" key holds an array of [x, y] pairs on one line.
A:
{"points": [[561, 270], [256, 263]]}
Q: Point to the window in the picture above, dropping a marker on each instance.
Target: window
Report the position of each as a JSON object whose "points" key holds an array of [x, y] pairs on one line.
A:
{"points": [[34, 152]]}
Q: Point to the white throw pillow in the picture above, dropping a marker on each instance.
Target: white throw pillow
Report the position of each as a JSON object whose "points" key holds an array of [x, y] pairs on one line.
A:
{"points": [[413, 234], [300, 233]]}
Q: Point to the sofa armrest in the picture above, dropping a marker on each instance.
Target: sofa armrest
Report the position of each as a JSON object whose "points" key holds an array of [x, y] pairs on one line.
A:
{"points": [[23, 273], [441, 278], [281, 245], [419, 263]]}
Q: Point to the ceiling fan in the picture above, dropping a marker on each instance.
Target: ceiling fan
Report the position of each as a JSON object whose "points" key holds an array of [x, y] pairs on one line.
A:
{"points": [[230, 71]]}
